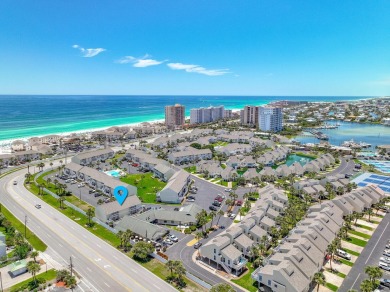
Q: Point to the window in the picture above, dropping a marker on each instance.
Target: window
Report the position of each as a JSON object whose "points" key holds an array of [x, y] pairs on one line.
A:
{"points": [[215, 250], [228, 262], [260, 278], [276, 286], [269, 282]]}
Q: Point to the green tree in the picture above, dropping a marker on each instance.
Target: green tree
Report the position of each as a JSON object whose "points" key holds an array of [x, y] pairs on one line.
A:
{"points": [[142, 249], [33, 268], [170, 265], [34, 255], [319, 279], [366, 286], [90, 213], [373, 273], [220, 213], [222, 287]]}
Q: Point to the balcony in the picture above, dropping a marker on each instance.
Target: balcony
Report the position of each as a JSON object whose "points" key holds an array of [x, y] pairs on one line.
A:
{"points": [[238, 265]]}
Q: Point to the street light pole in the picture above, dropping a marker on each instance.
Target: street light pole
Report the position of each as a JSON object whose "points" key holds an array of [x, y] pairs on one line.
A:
{"points": [[25, 228], [1, 282], [80, 193]]}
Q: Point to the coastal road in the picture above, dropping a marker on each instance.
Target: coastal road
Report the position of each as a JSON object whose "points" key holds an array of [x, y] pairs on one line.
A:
{"points": [[369, 257], [99, 264]]}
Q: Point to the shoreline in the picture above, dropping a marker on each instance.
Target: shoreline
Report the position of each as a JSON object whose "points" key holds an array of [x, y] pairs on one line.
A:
{"points": [[7, 142]]}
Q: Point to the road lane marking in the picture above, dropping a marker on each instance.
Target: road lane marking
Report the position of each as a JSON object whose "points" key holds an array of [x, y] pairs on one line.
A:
{"points": [[134, 271], [107, 285], [89, 269], [156, 286], [116, 258], [106, 266], [98, 245], [377, 243], [355, 281], [60, 245], [98, 260]]}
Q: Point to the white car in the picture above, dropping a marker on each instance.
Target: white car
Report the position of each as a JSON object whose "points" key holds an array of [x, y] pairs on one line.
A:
{"points": [[228, 190], [343, 254], [232, 216], [385, 259], [173, 238], [168, 241], [190, 200], [384, 266], [386, 252]]}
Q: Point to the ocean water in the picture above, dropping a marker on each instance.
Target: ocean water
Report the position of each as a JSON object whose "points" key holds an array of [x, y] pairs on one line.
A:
{"points": [[23, 116], [372, 134]]}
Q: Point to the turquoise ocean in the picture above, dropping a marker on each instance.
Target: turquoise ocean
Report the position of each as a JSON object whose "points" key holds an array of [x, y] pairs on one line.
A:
{"points": [[23, 116]]}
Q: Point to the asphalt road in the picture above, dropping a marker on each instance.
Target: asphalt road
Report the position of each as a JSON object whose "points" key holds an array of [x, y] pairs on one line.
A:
{"points": [[369, 257], [344, 168], [100, 265]]}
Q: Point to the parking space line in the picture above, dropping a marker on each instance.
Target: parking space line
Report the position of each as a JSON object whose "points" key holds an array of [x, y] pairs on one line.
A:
{"points": [[377, 243]]}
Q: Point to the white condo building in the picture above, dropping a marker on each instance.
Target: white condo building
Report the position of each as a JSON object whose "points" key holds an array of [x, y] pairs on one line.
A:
{"points": [[206, 115], [270, 119]]}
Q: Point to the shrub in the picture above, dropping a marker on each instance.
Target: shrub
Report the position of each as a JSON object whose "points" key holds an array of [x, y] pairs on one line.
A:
{"points": [[187, 231]]}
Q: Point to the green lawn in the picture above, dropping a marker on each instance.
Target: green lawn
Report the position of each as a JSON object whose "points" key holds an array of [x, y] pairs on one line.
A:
{"points": [[81, 219], [225, 183], [159, 269], [19, 226], [356, 241], [345, 262], [246, 281], [361, 234], [48, 276], [190, 169], [331, 286], [147, 186], [241, 171], [351, 252], [365, 227]]}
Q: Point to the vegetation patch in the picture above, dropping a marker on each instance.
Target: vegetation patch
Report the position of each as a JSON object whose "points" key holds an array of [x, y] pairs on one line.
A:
{"points": [[331, 287], [246, 281], [50, 275], [365, 227], [147, 186], [190, 169], [345, 262], [351, 252], [361, 234]]}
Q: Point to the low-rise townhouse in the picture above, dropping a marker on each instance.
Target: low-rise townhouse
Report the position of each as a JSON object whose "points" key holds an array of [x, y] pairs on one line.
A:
{"points": [[176, 188], [234, 149], [163, 172], [91, 157], [114, 211], [190, 155]]}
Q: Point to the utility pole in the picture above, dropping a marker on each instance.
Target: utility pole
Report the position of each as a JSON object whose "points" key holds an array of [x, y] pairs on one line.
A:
{"points": [[71, 267], [25, 226], [1, 283]]}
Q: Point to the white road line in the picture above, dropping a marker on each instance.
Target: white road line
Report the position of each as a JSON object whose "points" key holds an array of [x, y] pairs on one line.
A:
{"points": [[107, 285], [377, 243], [116, 258], [60, 245], [98, 245], [74, 257], [156, 286], [134, 271], [89, 270], [355, 281]]}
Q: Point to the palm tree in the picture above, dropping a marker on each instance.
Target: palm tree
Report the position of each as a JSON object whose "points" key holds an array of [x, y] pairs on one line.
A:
{"points": [[319, 279], [373, 273], [51, 165], [369, 212], [90, 213], [331, 250], [120, 237], [180, 270], [212, 214], [170, 265], [34, 255], [28, 177], [242, 212], [61, 200], [220, 213], [366, 286], [33, 268]]}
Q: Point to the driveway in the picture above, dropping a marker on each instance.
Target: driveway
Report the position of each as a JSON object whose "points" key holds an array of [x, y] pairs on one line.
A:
{"points": [[369, 257]]}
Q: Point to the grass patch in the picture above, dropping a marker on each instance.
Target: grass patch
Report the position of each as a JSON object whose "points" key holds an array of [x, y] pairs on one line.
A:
{"points": [[162, 272], [47, 276], [345, 262], [246, 281], [190, 169], [147, 186], [19, 226], [331, 287], [361, 234], [356, 241], [79, 218], [365, 227], [351, 252], [242, 170], [372, 221]]}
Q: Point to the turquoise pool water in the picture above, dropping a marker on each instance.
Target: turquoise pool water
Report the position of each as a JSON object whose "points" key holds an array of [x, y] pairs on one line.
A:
{"points": [[382, 166], [297, 158], [113, 173]]}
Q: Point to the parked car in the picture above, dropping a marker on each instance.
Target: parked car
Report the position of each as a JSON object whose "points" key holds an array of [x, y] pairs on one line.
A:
{"points": [[168, 241], [173, 238], [217, 204], [81, 185], [385, 282], [191, 197], [190, 200], [15, 182], [385, 259], [97, 195], [213, 208], [386, 252], [197, 245], [384, 266], [348, 175], [228, 190], [343, 254], [232, 216], [239, 203], [38, 206]]}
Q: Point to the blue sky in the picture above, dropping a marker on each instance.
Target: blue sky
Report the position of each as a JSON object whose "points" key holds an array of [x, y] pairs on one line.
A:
{"points": [[195, 47]]}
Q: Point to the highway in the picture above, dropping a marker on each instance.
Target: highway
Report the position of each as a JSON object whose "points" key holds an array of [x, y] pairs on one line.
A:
{"points": [[101, 266]]}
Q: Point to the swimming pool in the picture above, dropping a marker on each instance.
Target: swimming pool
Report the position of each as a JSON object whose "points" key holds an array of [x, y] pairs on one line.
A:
{"points": [[113, 173], [383, 166]]}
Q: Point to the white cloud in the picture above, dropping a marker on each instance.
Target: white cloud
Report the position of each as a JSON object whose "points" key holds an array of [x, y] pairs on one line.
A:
{"points": [[197, 69], [383, 82], [88, 53], [142, 62]]}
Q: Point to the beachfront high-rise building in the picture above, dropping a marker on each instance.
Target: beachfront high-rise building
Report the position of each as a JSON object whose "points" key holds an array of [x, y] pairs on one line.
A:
{"points": [[174, 116], [249, 116], [206, 115], [270, 119]]}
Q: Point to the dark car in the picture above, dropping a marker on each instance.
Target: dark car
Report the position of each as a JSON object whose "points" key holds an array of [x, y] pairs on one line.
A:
{"points": [[213, 208], [216, 203], [97, 195], [385, 282], [197, 245]]}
